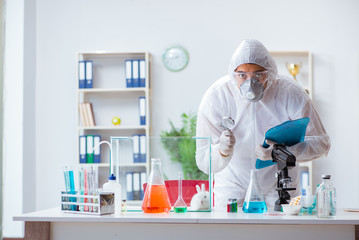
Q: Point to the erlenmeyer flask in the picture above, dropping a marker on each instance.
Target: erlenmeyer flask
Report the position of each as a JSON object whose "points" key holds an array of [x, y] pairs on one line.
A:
{"points": [[254, 201], [180, 205], [156, 198]]}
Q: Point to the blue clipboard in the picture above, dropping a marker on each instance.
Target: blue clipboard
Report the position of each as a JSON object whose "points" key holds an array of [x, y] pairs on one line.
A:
{"points": [[288, 133]]}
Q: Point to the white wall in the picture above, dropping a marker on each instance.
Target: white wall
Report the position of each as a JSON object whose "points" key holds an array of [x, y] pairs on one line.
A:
{"points": [[210, 31], [13, 118]]}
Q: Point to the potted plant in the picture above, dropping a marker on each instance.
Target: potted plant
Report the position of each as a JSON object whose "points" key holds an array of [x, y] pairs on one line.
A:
{"points": [[183, 150]]}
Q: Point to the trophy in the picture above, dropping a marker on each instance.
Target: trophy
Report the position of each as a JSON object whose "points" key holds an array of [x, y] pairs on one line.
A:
{"points": [[293, 69]]}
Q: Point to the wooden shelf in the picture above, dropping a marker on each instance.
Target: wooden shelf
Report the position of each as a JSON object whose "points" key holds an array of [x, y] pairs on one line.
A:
{"points": [[110, 98], [130, 127], [109, 90], [108, 53], [121, 165]]}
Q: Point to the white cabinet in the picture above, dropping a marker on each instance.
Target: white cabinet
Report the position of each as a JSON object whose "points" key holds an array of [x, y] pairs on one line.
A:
{"points": [[304, 78], [110, 98]]}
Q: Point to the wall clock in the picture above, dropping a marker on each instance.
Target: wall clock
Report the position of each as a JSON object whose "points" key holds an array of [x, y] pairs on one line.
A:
{"points": [[175, 58]]}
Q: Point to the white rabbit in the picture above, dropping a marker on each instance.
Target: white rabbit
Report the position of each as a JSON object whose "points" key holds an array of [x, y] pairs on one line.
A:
{"points": [[200, 201]]}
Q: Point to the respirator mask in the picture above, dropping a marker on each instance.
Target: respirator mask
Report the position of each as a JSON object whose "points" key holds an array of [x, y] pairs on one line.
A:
{"points": [[251, 84]]}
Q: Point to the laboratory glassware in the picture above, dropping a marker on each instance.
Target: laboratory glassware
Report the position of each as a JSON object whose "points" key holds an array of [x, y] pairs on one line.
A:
{"points": [[70, 184], [82, 187], [124, 206], [180, 206], [156, 198], [326, 198], [232, 205], [254, 200]]}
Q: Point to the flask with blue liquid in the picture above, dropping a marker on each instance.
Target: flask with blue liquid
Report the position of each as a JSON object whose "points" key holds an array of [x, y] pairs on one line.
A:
{"points": [[254, 200]]}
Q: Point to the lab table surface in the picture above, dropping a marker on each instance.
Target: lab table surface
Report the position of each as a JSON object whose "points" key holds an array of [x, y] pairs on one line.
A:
{"points": [[54, 224]]}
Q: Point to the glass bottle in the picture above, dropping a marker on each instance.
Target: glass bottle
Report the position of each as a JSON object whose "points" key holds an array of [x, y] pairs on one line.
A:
{"points": [[254, 200], [156, 198], [124, 206], [326, 198], [180, 205]]}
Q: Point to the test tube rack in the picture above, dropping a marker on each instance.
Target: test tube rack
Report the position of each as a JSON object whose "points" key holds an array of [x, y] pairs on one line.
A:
{"points": [[100, 204]]}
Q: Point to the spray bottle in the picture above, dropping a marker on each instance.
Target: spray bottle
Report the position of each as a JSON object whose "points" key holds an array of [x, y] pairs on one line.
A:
{"points": [[112, 185]]}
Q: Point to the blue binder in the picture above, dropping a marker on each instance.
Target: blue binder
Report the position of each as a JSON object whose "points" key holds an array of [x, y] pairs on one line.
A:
{"points": [[129, 186], [136, 148], [288, 133], [143, 181], [136, 186], [128, 71], [142, 148], [142, 73], [135, 73], [82, 148], [97, 150], [81, 72], [89, 77], [142, 110]]}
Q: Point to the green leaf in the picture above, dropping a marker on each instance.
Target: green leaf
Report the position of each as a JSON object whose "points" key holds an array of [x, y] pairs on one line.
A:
{"points": [[183, 150]]}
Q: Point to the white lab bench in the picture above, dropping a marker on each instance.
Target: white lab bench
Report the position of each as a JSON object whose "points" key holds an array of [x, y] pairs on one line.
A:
{"points": [[54, 224]]}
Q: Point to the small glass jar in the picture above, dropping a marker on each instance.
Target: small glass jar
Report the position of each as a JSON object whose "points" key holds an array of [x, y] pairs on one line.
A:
{"points": [[124, 207], [232, 205]]}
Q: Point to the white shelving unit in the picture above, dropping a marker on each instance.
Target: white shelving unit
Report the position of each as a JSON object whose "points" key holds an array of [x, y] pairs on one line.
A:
{"points": [[304, 78], [110, 98]]}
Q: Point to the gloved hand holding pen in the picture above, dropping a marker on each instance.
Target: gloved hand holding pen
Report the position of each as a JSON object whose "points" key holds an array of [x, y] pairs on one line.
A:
{"points": [[226, 143]]}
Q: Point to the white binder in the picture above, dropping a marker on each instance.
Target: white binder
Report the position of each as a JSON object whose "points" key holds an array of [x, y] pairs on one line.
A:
{"points": [[135, 73], [142, 110]]}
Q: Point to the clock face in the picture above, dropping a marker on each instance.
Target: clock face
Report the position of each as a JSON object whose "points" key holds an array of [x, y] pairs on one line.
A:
{"points": [[175, 58]]}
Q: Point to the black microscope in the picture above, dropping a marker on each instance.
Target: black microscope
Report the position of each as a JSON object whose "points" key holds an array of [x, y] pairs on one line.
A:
{"points": [[284, 159]]}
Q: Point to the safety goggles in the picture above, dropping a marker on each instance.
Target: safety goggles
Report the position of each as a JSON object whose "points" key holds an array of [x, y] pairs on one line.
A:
{"points": [[261, 76]]}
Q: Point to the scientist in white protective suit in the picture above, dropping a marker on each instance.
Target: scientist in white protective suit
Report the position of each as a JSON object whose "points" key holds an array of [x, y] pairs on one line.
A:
{"points": [[257, 99]]}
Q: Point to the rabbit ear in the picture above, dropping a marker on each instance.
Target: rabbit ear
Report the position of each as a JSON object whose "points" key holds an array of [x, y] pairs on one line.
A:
{"points": [[203, 188], [198, 188]]}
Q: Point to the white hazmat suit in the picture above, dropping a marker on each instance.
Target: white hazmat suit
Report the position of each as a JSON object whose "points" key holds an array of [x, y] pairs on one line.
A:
{"points": [[283, 100]]}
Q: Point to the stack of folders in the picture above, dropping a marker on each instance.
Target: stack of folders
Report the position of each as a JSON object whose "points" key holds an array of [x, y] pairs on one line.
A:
{"points": [[139, 148], [85, 74], [142, 110], [86, 114], [135, 73], [134, 185], [87, 143]]}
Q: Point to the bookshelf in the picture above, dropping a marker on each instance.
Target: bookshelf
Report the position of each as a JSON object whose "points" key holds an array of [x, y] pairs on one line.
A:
{"points": [[304, 78], [110, 97]]}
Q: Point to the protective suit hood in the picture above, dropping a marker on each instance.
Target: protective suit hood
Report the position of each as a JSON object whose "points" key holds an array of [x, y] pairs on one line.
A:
{"points": [[253, 51]]}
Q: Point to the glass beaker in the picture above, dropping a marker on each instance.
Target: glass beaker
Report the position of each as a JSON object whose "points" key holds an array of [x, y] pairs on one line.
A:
{"points": [[254, 200], [156, 198]]}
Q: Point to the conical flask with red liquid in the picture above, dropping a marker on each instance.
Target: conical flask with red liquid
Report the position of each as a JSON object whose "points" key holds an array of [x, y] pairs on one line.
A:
{"points": [[156, 198]]}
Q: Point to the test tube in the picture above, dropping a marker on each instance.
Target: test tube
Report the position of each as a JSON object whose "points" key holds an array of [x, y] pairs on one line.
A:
{"points": [[72, 186], [86, 188], [67, 187], [95, 185], [81, 187], [90, 181]]}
